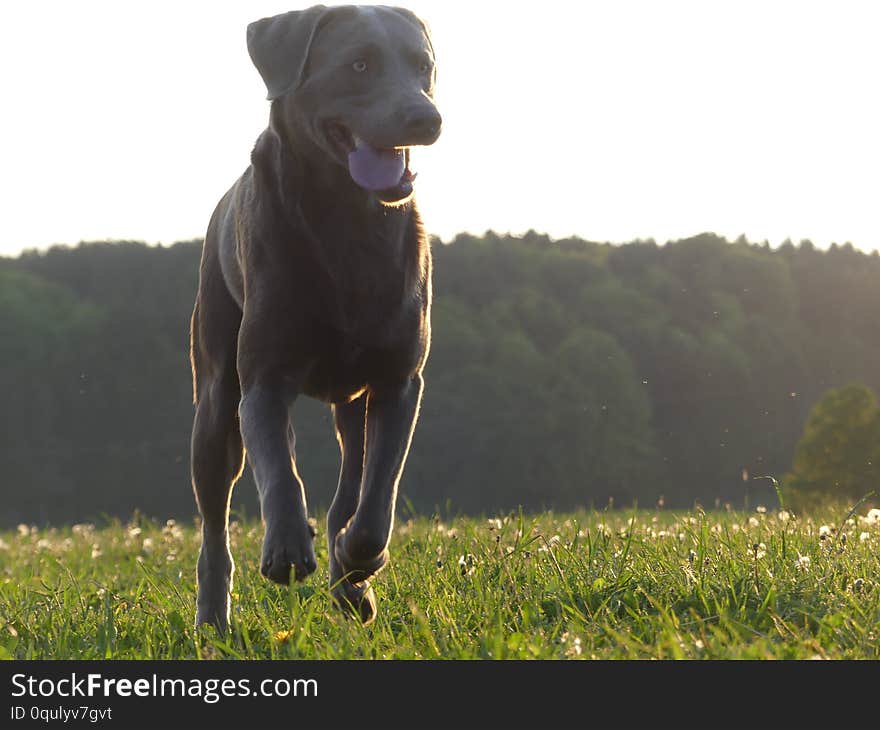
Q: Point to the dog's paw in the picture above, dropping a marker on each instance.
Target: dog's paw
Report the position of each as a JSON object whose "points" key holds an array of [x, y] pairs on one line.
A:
{"points": [[213, 616], [214, 573], [358, 560], [355, 599], [286, 549]]}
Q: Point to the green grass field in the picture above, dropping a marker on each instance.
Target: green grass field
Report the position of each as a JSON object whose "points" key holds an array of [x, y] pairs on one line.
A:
{"points": [[624, 584]]}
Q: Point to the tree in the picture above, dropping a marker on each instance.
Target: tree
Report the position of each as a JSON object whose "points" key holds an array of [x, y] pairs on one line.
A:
{"points": [[561, 372], [839, 454]]}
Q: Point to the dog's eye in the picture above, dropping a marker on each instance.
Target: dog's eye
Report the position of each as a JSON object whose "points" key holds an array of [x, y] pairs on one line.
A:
{"points": [[425, 67], [359, 66]]}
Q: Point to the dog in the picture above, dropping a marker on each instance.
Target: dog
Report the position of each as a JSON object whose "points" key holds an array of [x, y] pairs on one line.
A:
{"points": [[315, 280]]}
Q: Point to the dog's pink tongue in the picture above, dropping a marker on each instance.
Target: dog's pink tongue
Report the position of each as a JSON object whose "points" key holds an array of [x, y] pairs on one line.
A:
{"points": [[375, 169]]}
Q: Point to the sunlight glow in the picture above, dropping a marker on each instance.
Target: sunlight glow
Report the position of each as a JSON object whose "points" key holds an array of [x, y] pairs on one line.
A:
{"points": [[611, 121]]}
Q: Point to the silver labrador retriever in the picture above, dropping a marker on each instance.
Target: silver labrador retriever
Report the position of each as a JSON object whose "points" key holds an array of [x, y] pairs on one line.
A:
{"points": [[316, 279]]}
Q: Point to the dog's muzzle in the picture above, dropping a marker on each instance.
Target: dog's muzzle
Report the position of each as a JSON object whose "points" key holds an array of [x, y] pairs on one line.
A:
{"points": [[385, 171]]}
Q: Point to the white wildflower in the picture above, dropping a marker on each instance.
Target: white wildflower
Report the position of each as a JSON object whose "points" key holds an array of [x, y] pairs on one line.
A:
{"points": [[444, 530], [467, 564], [783, 516], [864, 536], [572, 644], [803, 563], [172, 531], [761, 509]]}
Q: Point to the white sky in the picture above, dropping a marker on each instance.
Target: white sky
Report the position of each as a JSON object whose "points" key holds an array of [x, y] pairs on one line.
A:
{"points": [[607, 120]]}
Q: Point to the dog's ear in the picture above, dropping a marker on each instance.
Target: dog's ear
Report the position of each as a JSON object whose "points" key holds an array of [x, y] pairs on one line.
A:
{"points": [[279, 47], [419, 23]]}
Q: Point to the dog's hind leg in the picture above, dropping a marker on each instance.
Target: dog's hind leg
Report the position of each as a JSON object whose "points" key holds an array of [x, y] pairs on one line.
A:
{"points": [[217, 459], [350, 423]]}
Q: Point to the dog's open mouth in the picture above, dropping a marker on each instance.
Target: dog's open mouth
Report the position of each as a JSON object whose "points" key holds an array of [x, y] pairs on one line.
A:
{"points": [[382, 170]]}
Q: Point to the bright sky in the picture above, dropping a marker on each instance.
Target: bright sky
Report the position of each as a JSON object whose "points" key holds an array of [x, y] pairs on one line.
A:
{"points": [[606, 120]]}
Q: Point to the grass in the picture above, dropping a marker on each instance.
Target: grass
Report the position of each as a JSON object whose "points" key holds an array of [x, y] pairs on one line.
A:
{"points": [[626, 584]]}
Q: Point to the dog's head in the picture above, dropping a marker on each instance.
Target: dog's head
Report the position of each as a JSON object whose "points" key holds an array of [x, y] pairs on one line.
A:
{"points": [[359, 81]]}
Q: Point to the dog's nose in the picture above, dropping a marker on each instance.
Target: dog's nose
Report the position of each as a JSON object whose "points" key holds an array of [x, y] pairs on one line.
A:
{"points": [[423, 125]]}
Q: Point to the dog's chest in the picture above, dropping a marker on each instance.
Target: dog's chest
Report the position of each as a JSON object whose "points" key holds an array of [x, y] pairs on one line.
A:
{"points": [[356, 301], [367, 274], [371, 313], [372, 335]]}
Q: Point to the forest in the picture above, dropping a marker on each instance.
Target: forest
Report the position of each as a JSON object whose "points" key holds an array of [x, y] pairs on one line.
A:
{"points": [[563, 373]]}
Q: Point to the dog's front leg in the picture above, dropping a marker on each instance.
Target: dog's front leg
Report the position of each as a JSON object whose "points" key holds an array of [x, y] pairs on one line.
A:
{"points": [[288, 541], [362, 547]]}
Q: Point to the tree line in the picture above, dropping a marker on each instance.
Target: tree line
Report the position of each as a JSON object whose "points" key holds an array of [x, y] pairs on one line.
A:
{"points": [[562, 373]]}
